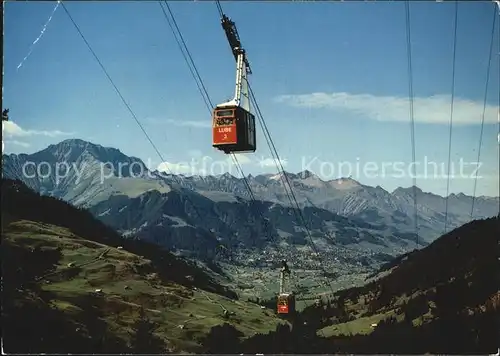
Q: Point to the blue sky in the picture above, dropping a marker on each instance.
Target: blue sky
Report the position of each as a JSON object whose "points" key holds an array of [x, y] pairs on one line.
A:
{"points": [[330, 79]]}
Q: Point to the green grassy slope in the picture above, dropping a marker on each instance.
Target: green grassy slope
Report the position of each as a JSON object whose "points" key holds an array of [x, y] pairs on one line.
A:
{"points": [[458, 272], [443, 298], [77, 288]]}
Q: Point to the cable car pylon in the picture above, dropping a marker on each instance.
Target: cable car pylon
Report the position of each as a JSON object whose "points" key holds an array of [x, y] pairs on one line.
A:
{"points": [[233, 125]]}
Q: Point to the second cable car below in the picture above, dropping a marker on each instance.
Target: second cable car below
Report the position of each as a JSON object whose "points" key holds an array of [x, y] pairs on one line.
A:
{"points": [[286, 300], [233, 125]]}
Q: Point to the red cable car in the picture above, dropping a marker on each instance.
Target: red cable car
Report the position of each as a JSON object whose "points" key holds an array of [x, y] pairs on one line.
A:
{"points": [[233, 129], [233, 125], [286, 303]]}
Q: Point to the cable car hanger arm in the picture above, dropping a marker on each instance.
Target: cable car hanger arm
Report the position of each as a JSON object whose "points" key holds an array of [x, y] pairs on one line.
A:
{"points": [[234, 39], [284, 272], [241, 92]]}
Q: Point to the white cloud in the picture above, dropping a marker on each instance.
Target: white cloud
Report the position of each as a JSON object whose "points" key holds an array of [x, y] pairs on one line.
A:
{"points": [[241, 159], [18, 143], [11, 129], [204, 165], [272, 162], [432, 110]]}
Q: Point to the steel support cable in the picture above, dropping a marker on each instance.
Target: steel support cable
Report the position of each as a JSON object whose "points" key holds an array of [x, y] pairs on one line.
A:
{"points": [[279, 165], [134, 116], [206, 96], [131, 112], [197, 77], [199, 81], [219, 7], [451, 115], [112, 82], [187, 56], [265, 220], [297, 207], [412, 119], [484, 108], [275, 156], [192, 68], [281, 171], [272, 149], [286, 182], [298, 212], [284, 179], [137, 120], [221, 13]]}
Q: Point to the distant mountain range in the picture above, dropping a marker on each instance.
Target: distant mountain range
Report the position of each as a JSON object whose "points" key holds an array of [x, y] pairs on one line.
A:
{"points": [[348, 221]]}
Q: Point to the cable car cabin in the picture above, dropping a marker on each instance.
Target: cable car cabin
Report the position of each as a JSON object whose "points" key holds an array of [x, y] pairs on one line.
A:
{"points": [[286, 304], [233, 130]]}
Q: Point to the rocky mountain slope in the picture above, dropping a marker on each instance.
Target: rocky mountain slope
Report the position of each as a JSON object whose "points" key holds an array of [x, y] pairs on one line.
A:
{"points": [[362, 203], [353, 225]]}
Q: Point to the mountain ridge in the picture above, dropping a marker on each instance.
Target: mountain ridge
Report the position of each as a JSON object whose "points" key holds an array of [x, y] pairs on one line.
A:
{"points": [[354, 223], [70, 143]]}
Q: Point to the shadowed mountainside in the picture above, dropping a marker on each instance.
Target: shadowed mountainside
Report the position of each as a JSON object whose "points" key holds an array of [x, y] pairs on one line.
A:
{"points": [[72, 284], [442, 299]]}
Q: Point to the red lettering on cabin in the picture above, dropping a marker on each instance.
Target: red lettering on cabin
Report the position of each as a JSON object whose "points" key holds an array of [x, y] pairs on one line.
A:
{"points": [[224, 129], [224, 135], [282, 308]]}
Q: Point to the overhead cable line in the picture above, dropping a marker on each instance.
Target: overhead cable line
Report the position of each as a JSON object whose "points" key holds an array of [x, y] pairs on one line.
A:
{"points": [[134, 116], [283, 175], [203, 91], [486, 85], [225, 310], [196, 73], [279, 165], [412, 118], [112, 82], [186, 54], [197, 77], [451, 115], [295, 204]]}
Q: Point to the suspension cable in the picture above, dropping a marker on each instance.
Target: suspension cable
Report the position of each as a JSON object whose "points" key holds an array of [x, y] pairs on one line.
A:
{"points": [[283, 175], [204, 93], [412, 118], [183, 48], [178, 179], [296, 209], [484, 108], [451, 115]]}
